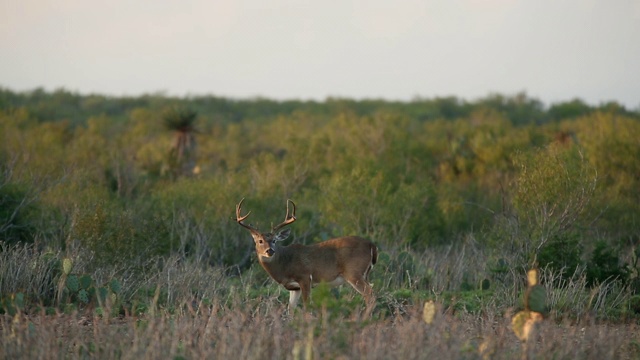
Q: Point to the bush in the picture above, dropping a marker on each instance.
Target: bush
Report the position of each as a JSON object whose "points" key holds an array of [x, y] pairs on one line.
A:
{"points": [[116, 235], [553, 189], [562, 255], [17, 209], [604, 264]]}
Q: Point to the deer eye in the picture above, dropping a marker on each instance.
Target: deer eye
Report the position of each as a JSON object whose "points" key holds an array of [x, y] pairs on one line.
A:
{"points": [[260, 241]]}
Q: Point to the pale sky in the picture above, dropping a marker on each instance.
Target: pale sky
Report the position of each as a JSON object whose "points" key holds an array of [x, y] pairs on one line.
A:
{"points": [[554, 50]]}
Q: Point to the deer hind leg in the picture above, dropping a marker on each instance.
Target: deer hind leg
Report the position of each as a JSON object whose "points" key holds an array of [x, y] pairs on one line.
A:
{"points": [[364, 288]]}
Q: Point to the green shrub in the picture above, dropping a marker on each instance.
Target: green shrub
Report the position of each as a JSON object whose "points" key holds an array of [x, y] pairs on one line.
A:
{"points": [[562, 254], [605, 264], [553, 188], [17, 210], [117, 235]]}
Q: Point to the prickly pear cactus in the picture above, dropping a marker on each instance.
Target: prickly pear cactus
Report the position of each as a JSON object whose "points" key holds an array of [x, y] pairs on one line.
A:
{"points": [[532, 277], [524, 322], [67, 265], [485, 284], [536, 298], [12, 304], [85, 282], [102, 294], [517, 324], [83, 296], [114, 285], [72, 283], [429, 312]]}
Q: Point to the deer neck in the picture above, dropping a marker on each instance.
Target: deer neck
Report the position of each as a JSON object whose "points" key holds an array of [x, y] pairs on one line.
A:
{"points": [[274, 265]]}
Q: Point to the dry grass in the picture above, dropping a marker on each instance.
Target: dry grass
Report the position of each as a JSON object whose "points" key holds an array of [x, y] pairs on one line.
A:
{"points": [[249, 333], [193, 311]]}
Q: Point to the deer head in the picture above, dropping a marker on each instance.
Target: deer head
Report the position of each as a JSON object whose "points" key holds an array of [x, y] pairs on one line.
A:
{"points": [[266, 242]]}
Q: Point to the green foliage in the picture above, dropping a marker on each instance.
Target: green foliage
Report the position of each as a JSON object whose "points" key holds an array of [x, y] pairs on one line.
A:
{"points": [[570, 109], [468, 301], [179, 119], [554, 187], [12, 304], [611, 147], [364, 202], [331, 302], [89, 174], [562, 254], [17, 210], [501, 266], [115, 286], [118, 236], [605, 264]]}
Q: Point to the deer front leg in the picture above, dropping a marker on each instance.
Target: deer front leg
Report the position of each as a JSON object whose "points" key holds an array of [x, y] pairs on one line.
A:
{"points": [[294, 295], [305, 288]]}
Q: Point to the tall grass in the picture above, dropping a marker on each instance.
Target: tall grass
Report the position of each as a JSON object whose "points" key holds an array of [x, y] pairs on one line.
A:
{"points": [[178, 308], [238, 332]]}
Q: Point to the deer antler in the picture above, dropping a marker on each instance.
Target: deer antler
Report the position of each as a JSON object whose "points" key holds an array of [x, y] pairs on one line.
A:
{"points": [[240, 218], [288, 219]]}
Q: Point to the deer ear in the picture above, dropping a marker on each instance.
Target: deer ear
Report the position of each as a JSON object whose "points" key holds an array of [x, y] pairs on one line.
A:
{"points": [[282, 235]]}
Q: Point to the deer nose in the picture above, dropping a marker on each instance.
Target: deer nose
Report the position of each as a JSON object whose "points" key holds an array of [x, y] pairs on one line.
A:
{"points": [[270, 252]]}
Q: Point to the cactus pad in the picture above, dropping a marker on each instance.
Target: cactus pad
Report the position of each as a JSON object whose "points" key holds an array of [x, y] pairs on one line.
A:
{"points": [[83, 296], [485, 284], [114, 285], [67, 265], [72, 283], [522, 323], [532, 277], [429, 312], [536, 297], [85, 281]]}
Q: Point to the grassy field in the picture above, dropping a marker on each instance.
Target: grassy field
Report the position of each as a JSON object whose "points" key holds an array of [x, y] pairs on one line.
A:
{"points": [[185, 310], [263, 332]]}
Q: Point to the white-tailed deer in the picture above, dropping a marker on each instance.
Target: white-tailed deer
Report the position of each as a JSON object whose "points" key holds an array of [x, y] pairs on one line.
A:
{"points": [[298, 267]]}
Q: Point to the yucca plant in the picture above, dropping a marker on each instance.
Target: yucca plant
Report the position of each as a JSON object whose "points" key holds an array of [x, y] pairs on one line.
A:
{"points": [[182, 154]]}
